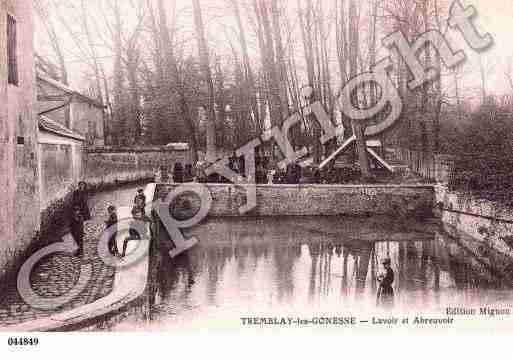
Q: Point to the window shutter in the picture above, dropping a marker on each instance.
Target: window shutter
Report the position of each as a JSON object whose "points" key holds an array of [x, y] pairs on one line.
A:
{"points": [[12, 50]]}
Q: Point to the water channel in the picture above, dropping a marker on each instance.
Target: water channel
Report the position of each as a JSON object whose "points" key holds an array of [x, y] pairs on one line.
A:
{"points": [[314, 266]]}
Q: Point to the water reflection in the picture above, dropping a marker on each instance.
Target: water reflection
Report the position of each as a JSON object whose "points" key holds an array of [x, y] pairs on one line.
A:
{"points": [[254, 265]]}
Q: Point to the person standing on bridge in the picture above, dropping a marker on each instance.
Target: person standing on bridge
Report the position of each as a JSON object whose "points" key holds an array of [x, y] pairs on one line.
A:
{"points": [[140, 200], [385, 296], [80, 198], [188, 175], [140, 197], [178, 173]]}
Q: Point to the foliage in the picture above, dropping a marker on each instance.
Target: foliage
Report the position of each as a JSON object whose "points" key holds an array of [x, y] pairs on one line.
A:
{"points": [[483, 153]]}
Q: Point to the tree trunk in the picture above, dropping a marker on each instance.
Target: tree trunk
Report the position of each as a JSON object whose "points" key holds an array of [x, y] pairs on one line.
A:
{"points": [[281, 67], [248, 72], [172, 75], [272, 71], [205, 67], [353, 63], [119, 113]]}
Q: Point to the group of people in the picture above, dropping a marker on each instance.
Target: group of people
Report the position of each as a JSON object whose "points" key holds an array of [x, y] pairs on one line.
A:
{"points": [[80, 214], [135, 230], [179, 174], [265, 173]]}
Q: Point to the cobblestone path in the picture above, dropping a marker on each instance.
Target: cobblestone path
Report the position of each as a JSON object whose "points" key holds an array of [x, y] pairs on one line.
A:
{"points": [[57, 273]]}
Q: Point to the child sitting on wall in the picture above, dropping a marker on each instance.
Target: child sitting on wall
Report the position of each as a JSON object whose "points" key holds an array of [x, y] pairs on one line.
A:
{"points": [[137, 229]]}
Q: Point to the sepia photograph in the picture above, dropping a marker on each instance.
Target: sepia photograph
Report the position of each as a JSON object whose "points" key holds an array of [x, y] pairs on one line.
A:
{"points": [[255, 166]]}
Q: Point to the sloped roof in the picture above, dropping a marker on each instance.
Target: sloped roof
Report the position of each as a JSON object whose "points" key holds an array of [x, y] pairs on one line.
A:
{"points": [[67, 89], [370, 144], [337, 151], [54, 127]]}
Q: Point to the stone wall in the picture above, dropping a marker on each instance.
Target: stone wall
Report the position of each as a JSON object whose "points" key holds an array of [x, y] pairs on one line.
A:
{"points": [[60, 166], [483, 223], [19, 183], [489, 223], [105, 166], [57, 174], [325, 200], [64, 162]]}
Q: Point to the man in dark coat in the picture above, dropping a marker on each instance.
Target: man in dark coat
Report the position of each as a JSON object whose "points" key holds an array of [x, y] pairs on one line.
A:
{"points": [[77, 229], [80, 198], [385, 297], [178, 173]]}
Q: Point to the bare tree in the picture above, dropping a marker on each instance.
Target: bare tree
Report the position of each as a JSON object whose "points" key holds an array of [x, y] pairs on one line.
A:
{"points": [[43, 11], [353, 68], [205, 67], [249, 78]]}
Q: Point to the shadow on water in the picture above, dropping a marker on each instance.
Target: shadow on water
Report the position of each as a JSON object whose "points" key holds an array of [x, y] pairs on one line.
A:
{"points": [[261, 265]]}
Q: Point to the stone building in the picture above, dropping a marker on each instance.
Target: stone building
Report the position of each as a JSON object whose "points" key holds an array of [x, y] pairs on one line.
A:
{"points": [[78, 112], [19, 176]]}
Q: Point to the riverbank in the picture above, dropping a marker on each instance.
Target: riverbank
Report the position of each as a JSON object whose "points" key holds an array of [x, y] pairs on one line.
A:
{"points": [[487, 225]]}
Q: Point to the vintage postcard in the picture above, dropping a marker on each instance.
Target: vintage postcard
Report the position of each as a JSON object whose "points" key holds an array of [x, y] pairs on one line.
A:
{"points": [[291, 165]]}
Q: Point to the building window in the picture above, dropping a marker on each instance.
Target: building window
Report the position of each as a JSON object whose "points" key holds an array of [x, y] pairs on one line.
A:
{"points": [[12, 61]]}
